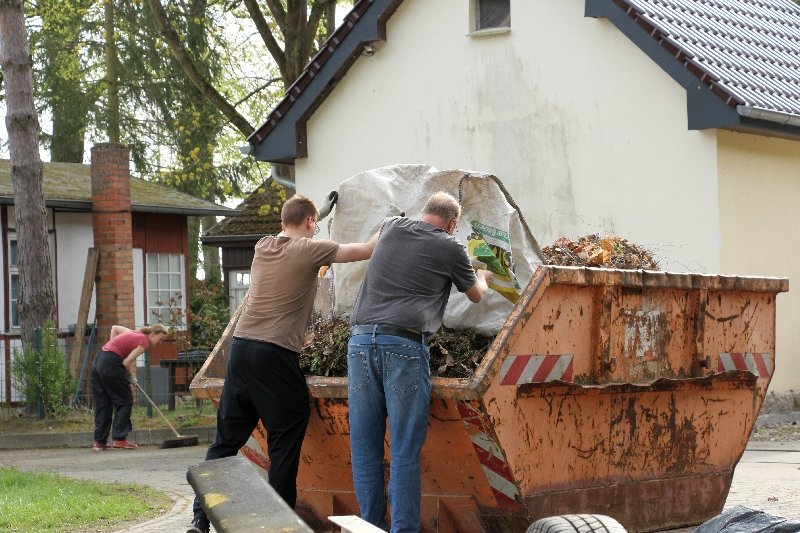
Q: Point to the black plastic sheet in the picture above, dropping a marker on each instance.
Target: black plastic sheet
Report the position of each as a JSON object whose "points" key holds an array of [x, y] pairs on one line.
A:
{"points": [[742, 519]]}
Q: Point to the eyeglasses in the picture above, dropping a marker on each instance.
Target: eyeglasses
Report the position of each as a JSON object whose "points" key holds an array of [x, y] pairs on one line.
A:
{"points": [[316, 226]]}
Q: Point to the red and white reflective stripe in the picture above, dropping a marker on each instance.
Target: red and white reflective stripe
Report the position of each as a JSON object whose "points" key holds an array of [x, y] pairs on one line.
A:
{"points": [[493, 461], [519, 369], [759, 364], [256, 456]]}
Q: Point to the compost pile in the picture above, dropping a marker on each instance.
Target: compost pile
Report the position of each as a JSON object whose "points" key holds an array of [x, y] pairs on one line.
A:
{"points": [[597, 251], [456, 353]]}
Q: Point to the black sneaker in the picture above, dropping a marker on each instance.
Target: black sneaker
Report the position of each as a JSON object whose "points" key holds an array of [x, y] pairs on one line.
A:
{"points": [[199, 525]]}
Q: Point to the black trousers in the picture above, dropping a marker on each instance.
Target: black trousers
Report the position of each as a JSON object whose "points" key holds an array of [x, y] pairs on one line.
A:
{"points": [[263, 381], [112, 397]]}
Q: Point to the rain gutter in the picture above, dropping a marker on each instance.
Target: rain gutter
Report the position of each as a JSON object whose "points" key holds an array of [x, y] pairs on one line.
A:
{"points": [[759, 113]]}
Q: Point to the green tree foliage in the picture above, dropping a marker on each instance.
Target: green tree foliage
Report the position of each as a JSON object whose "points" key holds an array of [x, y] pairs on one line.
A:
{"points": [[209, 312], [65, 65], [45, 372], [192, 77]]}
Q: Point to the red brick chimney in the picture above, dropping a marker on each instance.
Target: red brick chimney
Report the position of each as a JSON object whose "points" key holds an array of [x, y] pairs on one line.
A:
{"points": [[113, 238]]}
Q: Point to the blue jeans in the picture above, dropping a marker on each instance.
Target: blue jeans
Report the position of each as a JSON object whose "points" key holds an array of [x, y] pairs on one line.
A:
{"points": [[388, 377]]}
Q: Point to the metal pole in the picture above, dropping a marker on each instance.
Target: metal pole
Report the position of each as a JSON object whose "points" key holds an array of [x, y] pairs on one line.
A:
{"points": [[37, 348], [147, 384]]}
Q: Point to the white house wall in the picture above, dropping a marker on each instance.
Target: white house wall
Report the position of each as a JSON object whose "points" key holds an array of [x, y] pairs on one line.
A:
{"points": [[759, 197], [586, 132], [73, 240], [138, 287], [3, 283], [14, 346], [11, 224]]}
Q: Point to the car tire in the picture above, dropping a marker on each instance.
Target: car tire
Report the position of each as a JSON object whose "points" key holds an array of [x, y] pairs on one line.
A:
{"points": [[580, 523]]}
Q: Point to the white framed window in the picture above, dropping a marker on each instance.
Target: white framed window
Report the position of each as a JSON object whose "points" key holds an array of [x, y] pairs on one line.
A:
{"points": [[166, 294], [491, 14], [14, 273], [238, 284], [13, 283]]}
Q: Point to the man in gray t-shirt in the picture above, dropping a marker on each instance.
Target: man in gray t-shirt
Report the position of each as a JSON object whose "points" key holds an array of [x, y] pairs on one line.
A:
{"points": [[401, 302]]}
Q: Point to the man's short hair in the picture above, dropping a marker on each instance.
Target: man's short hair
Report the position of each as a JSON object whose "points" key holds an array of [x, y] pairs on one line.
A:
{"points": [[443, 206], [296, 210]]}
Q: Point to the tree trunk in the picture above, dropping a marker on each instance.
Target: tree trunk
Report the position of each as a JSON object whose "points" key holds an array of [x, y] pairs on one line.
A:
{"points": [[211, 257], [112, 74], [36, 300], [295, 48], [193, 227]]}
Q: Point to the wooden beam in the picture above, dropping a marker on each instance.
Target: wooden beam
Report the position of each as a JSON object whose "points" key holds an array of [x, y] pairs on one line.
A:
{"points": [[83, 311]]}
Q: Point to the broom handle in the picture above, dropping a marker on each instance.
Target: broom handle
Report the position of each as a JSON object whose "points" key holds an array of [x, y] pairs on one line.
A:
{"points": [[157, 409]]}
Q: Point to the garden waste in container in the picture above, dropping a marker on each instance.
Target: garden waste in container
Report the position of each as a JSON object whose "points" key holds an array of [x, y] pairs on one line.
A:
{"points": [[626, 393]]}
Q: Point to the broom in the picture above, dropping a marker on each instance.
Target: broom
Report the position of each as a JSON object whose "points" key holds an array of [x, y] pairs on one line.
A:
{"points": [[180, 441]]}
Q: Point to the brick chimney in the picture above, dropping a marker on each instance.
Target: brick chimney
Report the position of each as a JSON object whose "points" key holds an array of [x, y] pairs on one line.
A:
{"points": [[113, 238]]}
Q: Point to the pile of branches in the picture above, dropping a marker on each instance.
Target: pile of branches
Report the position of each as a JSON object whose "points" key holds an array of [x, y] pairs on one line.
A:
{"points": [[596, 251], [455, 353], [325, 349]]}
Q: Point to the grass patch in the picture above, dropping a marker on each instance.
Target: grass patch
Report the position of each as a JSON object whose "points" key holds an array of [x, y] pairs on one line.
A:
{"points": [[185, 415], [43, 502]]}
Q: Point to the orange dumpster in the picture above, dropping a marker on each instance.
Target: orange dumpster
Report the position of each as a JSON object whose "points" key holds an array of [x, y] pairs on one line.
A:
{"points": [[627, 393]]}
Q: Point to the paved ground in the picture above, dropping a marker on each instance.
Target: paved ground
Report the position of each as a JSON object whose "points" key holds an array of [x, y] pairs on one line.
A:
{"points": [[767, 477]]}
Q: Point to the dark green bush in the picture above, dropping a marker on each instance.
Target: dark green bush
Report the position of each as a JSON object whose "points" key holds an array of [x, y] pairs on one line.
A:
{"points": [[44, 371]]}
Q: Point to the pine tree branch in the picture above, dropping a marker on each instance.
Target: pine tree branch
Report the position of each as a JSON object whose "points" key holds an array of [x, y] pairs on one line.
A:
{"points": [[193, 73]]}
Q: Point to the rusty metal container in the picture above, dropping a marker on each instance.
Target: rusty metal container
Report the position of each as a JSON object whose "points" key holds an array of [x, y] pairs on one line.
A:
{"points": [[625, 393]]}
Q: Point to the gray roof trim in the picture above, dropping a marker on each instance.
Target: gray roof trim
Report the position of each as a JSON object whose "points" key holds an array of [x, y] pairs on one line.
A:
{"points": [[84, 206], [282, 137], [189, 211], [707, 106], [71, 205], [218, 239]]}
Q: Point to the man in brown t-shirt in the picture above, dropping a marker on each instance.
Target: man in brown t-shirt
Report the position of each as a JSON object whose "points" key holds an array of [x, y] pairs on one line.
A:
{"points": [[263, 379]]}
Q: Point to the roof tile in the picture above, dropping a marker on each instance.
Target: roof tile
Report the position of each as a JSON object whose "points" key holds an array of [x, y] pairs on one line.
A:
{"points": [[72, 182], [260, 214], [749, 48]]}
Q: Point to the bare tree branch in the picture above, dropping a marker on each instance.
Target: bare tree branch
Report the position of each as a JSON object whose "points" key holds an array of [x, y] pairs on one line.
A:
{"points": [[266, 35], [318, 10], [256, 90], [278, 13]]}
